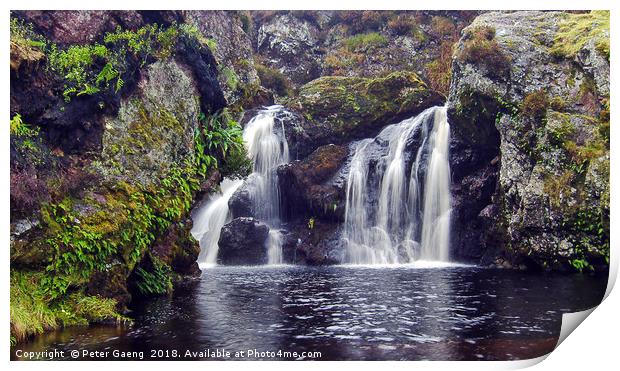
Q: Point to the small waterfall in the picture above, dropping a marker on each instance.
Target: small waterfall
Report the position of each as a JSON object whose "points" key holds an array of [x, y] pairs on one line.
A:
{"points": [[209, 220], [267, 148], [389, 217]]}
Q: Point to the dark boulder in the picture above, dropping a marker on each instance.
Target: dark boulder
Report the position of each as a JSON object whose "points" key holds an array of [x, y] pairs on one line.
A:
{"points": [[307, 186], [312, 242], [240, 203], [242, 242]]}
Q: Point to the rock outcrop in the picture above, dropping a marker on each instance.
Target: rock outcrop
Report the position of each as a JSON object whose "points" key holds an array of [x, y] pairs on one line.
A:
{"points": [[307, 187], [530, 144], [338, 110], [103, 174], [242, 242]]}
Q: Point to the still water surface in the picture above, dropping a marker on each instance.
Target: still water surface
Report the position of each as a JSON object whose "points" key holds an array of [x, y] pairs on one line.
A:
{"points": [[347, 313]]}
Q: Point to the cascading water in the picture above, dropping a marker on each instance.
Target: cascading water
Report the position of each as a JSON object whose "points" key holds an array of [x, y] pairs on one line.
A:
{"points": [[267, 148], [389, 219], [209, 220]]}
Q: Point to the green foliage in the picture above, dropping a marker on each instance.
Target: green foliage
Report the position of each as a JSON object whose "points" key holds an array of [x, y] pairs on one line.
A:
{"points": [[26, 141], [219, 144], [127, 225], [20, 129], [481, 48], [274, 80], [367, 42], [89, 69], [580, 264], [232, 80], [23, 34], [155, 281], [74, 64], [578, 29], [33, 311]]}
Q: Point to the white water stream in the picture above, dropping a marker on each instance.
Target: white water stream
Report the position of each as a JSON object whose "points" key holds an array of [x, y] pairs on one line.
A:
{"points": [[404, 222]]}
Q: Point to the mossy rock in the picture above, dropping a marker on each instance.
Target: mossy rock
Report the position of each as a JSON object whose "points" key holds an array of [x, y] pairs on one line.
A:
{"points": [[348, 104]]}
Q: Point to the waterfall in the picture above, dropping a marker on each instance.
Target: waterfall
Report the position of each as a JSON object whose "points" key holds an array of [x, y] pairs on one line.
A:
{"points": [[393, 218], [209, 220], [267, 148]]}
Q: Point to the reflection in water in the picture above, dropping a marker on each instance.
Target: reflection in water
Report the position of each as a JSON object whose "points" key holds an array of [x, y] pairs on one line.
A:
{"points": [[398, 313]]}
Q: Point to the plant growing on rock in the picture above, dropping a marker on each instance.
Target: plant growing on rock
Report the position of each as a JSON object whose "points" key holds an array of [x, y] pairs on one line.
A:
{"points": [[273, 79], [365, 42], [481, 48], [578, 29], [402, 25]]}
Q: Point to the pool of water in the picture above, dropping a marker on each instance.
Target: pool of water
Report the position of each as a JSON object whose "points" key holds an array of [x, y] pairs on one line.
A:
{"points": [[423, 312]]}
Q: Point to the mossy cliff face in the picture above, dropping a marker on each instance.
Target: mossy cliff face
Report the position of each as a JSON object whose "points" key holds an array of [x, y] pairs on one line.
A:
{"points": [[99, 220], [339, 109], [303, 45], [528, 108]]}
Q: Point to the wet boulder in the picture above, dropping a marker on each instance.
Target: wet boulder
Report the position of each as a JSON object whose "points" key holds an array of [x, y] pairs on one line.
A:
{"points": [[242, 242], [313, 242], [307, 187], [240, 203]]}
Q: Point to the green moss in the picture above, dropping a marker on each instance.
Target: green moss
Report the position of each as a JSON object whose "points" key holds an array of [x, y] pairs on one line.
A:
{"points": [[578, 29], [230, 76], [534, 105], [366, 42], [347, 102], [33, 311], [481, 48], [563, 129], [557, 104]]}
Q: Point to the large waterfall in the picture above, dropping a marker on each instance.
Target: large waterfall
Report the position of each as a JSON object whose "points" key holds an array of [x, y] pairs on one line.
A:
{"points": [[391, 218], [209, 220], [267, 147]]}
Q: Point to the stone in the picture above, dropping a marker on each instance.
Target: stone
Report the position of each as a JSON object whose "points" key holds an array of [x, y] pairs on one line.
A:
{"points": [[242, 242]]}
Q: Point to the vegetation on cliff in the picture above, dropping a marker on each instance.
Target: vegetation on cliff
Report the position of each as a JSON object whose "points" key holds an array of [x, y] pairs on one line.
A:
{"points": [[157, 152]]}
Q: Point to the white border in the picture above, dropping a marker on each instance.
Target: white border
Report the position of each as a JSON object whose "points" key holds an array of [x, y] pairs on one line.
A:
{"points": [[594, 344]]}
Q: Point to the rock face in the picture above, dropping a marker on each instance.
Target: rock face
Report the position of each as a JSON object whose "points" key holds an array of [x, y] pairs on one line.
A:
{"points": [[232, 51], [530, 144], [303, 45], [80, 26], [291, 45], [242, 242], [315, 242]]}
